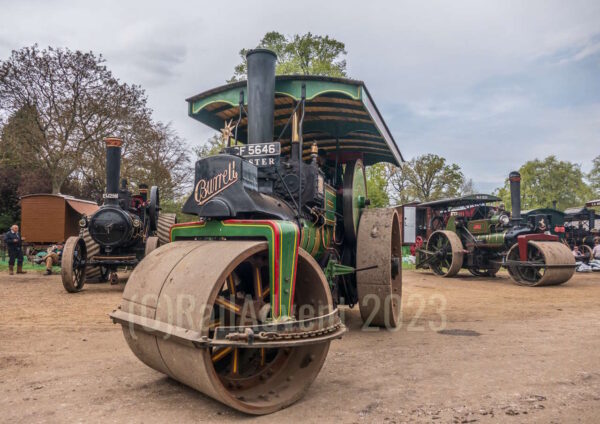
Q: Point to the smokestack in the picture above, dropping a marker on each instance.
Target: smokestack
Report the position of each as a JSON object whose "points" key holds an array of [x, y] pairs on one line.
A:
{"points": [[113, 169], [261, 95], [515, 195]]}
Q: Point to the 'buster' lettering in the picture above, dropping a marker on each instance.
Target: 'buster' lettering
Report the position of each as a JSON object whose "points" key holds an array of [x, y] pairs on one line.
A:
{"points": [[207, 189]]}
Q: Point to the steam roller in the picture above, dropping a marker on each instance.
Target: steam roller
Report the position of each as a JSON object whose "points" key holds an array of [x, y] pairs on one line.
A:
{"points": [[243, 303], [484, 238], [545, 263]]}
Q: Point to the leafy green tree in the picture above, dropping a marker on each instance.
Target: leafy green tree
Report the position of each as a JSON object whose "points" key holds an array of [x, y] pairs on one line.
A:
{"points": [[305, 54], [74, 101], [398, 184], [594, 175], [377, 185], [427, 177], [549, 180]]}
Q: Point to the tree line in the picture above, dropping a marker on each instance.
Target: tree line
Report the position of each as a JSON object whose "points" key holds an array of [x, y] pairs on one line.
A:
{"points": [[56, 107]]}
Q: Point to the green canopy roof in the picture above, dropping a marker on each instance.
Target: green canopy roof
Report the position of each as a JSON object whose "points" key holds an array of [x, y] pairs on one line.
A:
{"points": [[340, 116]]}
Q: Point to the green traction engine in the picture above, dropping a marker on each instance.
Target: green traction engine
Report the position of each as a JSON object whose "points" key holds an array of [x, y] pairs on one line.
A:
{"points": [[469, 233], [242, 304]]}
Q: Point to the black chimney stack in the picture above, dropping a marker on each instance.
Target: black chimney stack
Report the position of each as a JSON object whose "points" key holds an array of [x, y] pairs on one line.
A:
{"points": [[261, 95], [113, 169], [515, 195]]}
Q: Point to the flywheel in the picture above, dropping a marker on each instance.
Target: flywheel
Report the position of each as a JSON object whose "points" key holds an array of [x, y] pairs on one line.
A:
{"points": [[354, 198]]}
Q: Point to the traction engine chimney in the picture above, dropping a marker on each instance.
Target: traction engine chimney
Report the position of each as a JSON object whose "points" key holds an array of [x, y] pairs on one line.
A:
{"points": [[515, 195], [113, 169], [261, 95]]}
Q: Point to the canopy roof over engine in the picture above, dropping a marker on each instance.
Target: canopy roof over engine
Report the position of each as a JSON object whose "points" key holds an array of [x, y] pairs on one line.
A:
{"points": [[579, 213], [340, 116], [593, 203], [453, 202]]}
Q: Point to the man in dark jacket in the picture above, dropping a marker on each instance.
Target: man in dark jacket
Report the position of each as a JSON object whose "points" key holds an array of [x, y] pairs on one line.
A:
{"points": [[14, 244]]}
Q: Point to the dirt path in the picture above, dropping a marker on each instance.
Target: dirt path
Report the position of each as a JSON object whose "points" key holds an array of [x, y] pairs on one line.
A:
{"points": [[469, 350]]}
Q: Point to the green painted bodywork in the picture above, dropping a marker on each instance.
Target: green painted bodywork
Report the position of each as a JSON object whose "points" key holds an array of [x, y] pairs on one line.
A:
{"points": [[483, 230], [282, 238], [315, 240], [479, 226], [359, 194], [492, 240]]}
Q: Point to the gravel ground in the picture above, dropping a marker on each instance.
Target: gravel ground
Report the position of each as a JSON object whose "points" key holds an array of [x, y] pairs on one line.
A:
{"points": [[469, 350]]}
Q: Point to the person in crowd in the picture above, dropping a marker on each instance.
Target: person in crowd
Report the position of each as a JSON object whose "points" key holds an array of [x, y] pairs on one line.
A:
{"points": [[576, 252], [14, 244], [596, 249], [52, 257]]}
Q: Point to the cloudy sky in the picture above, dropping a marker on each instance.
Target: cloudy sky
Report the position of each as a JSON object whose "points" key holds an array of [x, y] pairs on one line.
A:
{"points": [[486, 84]]}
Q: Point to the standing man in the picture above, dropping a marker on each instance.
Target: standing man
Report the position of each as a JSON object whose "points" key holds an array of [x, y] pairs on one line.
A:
{"points": [[14, 244]]}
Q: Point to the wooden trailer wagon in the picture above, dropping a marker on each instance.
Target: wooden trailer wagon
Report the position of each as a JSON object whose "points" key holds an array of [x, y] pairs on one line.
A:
{"points": [[48, 219]]}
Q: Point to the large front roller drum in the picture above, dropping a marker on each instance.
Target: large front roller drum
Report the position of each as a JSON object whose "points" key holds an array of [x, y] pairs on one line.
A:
{"points": [[447, 250], [198, 285], [556, 259], [379, 245]]}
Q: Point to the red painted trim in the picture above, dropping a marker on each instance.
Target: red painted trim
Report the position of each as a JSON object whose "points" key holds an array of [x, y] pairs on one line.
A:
{"points": [[276, 254], [524, 239], [187, 224]]}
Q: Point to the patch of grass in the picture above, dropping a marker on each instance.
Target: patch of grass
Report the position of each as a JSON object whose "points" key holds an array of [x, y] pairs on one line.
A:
{"points": [[28, 266]]}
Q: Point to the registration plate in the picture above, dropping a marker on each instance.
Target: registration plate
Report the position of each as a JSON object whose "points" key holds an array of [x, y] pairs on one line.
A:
{"points": [[260, 154]]}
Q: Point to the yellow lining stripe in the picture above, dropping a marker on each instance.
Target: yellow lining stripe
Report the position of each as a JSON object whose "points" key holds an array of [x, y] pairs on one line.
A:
{"points": [[219, 355]]}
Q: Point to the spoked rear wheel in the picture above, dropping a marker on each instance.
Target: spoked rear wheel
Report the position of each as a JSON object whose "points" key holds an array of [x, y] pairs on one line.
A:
{"points": [[379, 248], [217, 284], [485, 272], [444, 253], [73, 264]]}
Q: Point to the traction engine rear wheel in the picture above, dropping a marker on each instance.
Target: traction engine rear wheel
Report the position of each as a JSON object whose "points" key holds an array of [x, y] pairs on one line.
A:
{"points": [[447, 251], [73, 264], [485, 272], [379, 245], [201, 285], [151, 244]]}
